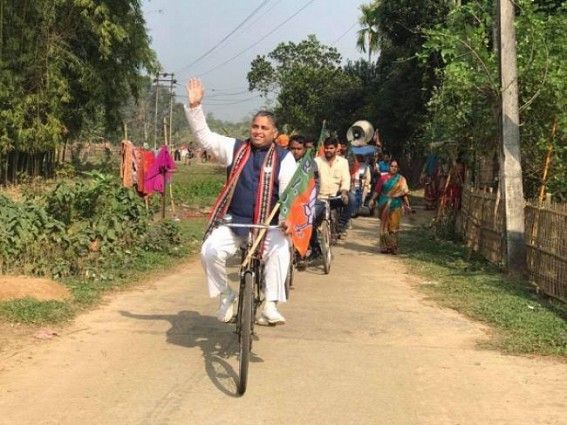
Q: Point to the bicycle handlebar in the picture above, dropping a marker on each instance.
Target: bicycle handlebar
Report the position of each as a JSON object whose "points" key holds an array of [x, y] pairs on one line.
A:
{"points": [[227, 221], [250, 226], [330, 198]]}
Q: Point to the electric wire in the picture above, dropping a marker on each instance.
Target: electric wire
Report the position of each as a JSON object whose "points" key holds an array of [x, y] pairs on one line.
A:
{"points": [[344, 34], [216, 95], [263, 14], [259, 41], [226, 37], [230, 103]]}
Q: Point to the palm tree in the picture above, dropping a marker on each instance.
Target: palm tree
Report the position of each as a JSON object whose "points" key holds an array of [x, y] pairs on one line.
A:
{"points": [[368, 35]]}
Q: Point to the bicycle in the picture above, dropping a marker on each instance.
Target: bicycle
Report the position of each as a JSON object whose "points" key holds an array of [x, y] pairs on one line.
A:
{"points": [[327, 232], [251, 277]]}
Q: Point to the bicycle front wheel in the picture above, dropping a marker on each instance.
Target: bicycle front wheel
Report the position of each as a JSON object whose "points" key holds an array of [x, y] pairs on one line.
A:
{"points": [[325, 232], [289, 276], [245, 323], [333, 228]]}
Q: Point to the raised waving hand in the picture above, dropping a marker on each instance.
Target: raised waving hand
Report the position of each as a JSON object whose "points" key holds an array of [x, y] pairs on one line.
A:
{"points": [[195, 91]]}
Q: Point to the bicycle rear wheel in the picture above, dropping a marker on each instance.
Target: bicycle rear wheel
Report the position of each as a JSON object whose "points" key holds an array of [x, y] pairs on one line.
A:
{"points": [[325, 233], [245, 323]]}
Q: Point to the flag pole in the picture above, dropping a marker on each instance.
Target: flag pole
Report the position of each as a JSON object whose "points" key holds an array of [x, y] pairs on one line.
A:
{"points": [[260, 235], [321, 135]]}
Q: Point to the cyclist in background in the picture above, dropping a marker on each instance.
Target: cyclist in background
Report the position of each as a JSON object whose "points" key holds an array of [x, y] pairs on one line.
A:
{"points": [[334, 175], [258, 173]]}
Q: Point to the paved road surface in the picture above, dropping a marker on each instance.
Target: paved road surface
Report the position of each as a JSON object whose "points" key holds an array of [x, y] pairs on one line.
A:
{"points": [[360, 347]]}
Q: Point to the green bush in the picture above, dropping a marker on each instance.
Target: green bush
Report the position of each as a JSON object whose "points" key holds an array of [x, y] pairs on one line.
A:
{"points": [[79, 228], [164, 236]]}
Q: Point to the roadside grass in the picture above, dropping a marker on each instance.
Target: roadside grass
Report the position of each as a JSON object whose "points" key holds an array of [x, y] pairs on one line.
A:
{"points": [[523, 322], [197, 185], [31, 311]]}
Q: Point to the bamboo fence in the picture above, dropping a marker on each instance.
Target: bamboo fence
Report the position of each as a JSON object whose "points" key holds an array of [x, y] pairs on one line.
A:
{"points": [[545, 230], [546, 247]]}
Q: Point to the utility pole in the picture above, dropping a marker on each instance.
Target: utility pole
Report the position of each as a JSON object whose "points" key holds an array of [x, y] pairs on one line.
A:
{"points": [[165, 77], [511, 188], [172, 82], [156, 80]]}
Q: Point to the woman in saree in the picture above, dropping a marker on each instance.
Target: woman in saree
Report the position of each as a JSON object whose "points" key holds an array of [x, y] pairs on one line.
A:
{"points": [[391, 197]]}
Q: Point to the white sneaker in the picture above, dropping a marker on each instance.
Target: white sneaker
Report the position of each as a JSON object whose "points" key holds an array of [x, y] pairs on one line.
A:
{"points": [[270, 315], [227, 304]]}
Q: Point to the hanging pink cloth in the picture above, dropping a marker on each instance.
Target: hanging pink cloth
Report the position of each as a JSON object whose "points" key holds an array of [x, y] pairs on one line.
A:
{"points": [[159, 172]]}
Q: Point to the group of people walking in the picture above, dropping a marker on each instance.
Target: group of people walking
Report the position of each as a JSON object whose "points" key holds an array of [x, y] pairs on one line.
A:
{"points": [[259, 170]]}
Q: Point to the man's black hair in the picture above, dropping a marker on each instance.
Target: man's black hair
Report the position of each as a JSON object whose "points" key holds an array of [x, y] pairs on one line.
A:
{"points": [[331, 141], [298, 138]]}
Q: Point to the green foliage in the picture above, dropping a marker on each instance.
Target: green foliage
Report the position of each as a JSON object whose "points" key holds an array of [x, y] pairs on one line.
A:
{"points": [[65, 66], [309, 79], [26, 232], [163, 237], [401, 85], [368, 36], [466, 104], [101, 239], [79, 228]]}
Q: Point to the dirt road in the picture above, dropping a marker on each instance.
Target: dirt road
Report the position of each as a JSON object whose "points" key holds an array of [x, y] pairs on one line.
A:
{"points": [[359, 348]]}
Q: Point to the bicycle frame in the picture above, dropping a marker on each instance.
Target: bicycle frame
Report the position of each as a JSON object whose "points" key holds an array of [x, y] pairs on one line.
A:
{"points": [[326, 231], [251, 276], [255, 268], [331, 218]]}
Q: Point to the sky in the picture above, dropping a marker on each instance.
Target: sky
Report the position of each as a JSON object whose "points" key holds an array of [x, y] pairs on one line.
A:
{"points": [[216, 41]]}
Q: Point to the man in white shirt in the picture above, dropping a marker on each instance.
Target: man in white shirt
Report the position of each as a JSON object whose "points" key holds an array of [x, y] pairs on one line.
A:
{"points": [[334, 176], [259, 172]]}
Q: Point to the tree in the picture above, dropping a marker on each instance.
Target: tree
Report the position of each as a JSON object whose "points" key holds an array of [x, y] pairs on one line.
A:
{"points": [[66, 66], [307, 78], [465, 105], [403, 84], [368, 35]]}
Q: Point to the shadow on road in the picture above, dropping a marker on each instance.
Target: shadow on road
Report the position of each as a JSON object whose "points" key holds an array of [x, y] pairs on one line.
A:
{"points": [[217, 342]]}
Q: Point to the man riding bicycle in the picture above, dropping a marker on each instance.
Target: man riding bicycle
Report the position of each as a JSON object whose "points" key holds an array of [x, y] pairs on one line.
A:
{"points": [[334, 176], [258, 173]]}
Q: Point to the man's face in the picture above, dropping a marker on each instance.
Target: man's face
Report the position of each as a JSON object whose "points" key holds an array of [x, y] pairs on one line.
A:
{"points": [[296, 149], [330, 151], [262, 131]]}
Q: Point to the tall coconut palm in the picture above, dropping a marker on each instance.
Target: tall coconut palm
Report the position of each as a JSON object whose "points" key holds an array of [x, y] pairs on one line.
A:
{"points": [[368, 35]]}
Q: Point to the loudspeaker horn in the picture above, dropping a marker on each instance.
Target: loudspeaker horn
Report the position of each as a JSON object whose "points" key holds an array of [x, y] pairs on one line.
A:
{"points": [[360, 133]]}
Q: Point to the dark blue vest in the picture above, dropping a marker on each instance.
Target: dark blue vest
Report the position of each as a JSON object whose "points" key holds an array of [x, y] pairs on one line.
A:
{"points": [[244, 199]]}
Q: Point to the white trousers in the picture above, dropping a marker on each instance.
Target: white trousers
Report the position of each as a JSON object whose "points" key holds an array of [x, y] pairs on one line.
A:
{"points": [[222, 243]]}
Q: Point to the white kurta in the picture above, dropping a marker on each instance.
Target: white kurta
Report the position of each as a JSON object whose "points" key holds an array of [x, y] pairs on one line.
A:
{"points": [[222, 242]]}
